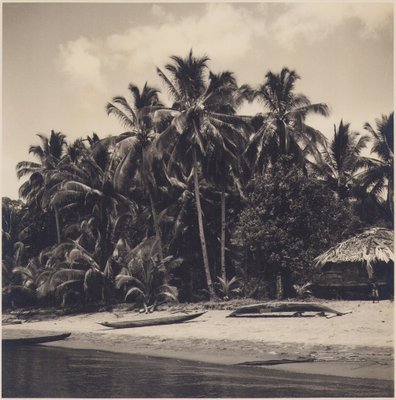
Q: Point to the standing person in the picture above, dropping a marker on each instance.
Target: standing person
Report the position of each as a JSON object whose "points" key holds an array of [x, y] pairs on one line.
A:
{"points": [[374, 291]]}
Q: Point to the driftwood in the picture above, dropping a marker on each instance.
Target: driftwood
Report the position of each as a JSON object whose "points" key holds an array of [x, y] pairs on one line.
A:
{"points": [[298, 310]]}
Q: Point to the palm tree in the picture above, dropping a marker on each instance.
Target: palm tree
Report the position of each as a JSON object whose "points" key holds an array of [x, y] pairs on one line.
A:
{"points": [[49, 154], [137, 117], [64, 270], [221, 167], [378, 175], [340, 160], [86, 189], [197, 126], [282, 129], [32, 279], [146, 277]]}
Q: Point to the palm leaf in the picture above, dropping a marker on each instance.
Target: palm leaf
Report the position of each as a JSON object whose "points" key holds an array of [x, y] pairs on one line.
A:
{"points": [[135, 291], [122, 280], [172, 89], [70, 284], [129, 121], [166, 295], [80, 254], [65, 198], [80, 187], [64, 275], [26, 167], [25, 272]]}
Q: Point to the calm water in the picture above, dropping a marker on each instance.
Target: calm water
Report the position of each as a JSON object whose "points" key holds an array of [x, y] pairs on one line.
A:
{"points": [[40, 371]]}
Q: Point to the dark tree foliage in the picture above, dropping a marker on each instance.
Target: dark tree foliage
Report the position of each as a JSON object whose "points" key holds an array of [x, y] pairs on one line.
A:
{"points": [[289, 221], [12, 212]]}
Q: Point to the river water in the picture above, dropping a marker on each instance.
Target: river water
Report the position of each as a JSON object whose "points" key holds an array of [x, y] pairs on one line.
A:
{"points": [[41, 371]]}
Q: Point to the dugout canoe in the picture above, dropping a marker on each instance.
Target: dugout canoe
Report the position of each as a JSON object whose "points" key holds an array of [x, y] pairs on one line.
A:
{"points": [[34, 339], [172, 319], [277, 309]]}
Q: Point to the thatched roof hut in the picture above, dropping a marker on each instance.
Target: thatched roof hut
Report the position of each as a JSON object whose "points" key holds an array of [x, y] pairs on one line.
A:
{"points": [[371, 246], [350, 264]]}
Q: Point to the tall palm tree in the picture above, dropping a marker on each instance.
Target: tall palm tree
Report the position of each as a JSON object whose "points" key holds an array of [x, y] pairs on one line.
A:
{"points": [[220, 167], [378, 175], [282, 128], [137, 117], [49, 154], [341, 159], [198, 125]]}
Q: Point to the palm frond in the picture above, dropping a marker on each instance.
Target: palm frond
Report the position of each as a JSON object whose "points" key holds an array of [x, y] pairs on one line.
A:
{"points": [[135, 291], [64, 198], [319, 108], [67, 285], [75, 186], [167, 292], [172, 89], [65, 275], [24, 271], [37, 151], [26, 167], [80, 254], [129, 121], [128, 280]]}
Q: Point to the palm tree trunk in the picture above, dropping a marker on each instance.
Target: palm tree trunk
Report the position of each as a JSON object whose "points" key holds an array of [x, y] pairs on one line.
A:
{"points": [[156, 225], [222, 238], [58, 232], [279, 287], [154, 214], [390, 194], [283, 137], [201, 228], [105, 234]]}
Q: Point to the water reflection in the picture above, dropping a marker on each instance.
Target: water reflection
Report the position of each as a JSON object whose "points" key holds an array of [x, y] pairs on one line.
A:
{"points": [[39, 371]]}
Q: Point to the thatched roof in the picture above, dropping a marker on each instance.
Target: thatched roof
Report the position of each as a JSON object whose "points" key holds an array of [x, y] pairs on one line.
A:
{"points": [[369, 247]]}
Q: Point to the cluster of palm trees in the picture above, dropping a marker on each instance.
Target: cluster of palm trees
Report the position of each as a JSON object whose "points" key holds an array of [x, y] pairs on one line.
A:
{"points": [[125, 212]]}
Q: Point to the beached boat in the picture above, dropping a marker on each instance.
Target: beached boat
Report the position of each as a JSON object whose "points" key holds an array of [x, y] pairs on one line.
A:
{"points": [[172, 319], [285, 310], [34, 339]]}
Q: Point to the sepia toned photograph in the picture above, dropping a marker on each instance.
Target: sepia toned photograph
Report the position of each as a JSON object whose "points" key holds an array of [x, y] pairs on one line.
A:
{"points": [[197, 199]]}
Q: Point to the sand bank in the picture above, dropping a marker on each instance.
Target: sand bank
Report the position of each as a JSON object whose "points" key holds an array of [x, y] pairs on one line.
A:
{"points": [[359, 344]]}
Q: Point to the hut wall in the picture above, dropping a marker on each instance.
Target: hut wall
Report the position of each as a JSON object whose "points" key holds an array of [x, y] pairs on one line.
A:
{"points": [[351, 281]]}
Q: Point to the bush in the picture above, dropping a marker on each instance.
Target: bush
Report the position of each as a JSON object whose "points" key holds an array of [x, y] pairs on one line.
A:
{"points": [[290, 220]]}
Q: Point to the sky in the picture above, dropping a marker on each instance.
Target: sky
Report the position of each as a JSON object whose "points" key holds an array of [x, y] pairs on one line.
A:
{"points": [[62, 62]]}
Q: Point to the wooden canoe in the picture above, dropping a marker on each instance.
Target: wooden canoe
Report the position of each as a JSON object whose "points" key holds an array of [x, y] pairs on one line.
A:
{"points": [[295, 309], [173, 319], [34, 339]]}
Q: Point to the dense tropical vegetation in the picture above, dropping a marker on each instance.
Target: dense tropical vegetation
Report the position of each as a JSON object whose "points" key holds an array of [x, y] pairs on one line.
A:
{"points": [[193, 200]]}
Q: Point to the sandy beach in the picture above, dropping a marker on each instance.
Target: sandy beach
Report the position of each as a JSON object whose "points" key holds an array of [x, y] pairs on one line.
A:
{"points": [[358, 344]]}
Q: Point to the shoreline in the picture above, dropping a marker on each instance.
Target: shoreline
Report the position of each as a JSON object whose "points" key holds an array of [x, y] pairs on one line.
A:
{"points": [[356, 345], [342, 361]]}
